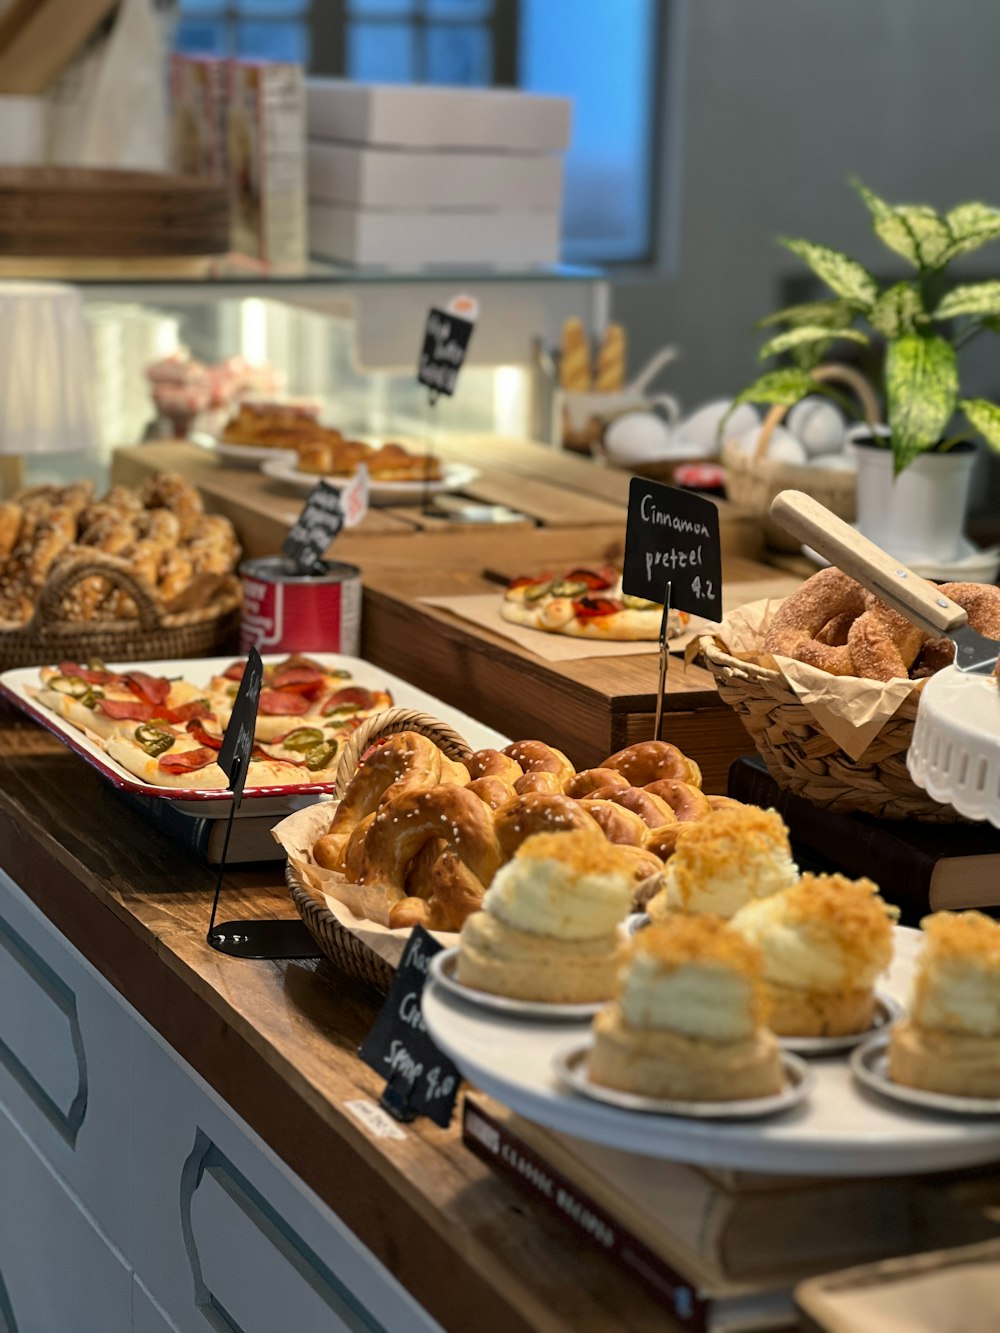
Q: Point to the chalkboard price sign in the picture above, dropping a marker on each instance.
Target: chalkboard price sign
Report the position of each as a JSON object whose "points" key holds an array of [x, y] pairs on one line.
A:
{"points": [[237, 743], [672, 536], [315, 528], [419, 1079], [446, 340]]}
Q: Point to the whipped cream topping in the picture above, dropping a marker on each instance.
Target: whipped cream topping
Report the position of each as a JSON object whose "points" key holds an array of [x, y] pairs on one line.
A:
{"points": [[725, 889], [546, 896], [957, 995], [697, 999], [810, 952]]}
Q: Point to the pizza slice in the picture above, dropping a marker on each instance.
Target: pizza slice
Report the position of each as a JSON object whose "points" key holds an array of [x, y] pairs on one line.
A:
{"points": [[587, 604], [101, 702]]}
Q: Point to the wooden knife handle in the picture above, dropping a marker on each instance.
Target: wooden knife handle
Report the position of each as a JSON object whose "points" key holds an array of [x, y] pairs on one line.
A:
{"points": [[920, 602]]}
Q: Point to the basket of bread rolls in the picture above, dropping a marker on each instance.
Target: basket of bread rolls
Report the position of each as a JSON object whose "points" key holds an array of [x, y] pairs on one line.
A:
{"points": [[767, 460], [135, 574], [827, 683], [422, 824]]}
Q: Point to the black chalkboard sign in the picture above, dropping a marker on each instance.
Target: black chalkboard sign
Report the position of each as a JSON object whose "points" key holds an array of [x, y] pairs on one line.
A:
{"points": [[419, 1079], [237, 743], [315, 528], [446, 340], [673, 537]]}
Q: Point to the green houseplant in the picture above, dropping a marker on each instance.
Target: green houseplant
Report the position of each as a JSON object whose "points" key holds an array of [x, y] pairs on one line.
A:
{"points": [[924, 320]]}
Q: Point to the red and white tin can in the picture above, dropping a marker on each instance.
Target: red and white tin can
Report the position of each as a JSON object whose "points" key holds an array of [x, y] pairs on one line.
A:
{"points": [[288, 612]]}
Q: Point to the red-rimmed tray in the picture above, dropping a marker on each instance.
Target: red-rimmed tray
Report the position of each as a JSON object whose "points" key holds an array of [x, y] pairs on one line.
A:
{"points": [[15, 686]]}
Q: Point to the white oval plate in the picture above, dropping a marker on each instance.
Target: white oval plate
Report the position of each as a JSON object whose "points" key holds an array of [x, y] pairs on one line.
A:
{"points": [[246, 455], [886, 1013], [443, 969], [455, 476], [870, 1066], [570, 1065]]}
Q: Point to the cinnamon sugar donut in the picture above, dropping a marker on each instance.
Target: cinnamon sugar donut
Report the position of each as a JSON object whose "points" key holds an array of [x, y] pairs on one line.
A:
{"points": [[883, 645], [982, 602], [827, 597]]}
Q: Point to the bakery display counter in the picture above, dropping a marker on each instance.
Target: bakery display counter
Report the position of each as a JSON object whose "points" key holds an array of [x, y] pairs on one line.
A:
{"points": [[139, 1070]]}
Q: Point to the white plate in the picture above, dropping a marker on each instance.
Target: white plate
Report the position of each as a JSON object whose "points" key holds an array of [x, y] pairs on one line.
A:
{"points": [[840, 1130], [886, 1012], [870, 1066], [244, 455], [455, 476], [570, 1065], [211, 803], [444, 970]]}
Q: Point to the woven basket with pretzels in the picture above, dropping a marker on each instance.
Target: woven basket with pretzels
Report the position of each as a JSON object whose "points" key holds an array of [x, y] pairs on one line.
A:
{"points": [[333, 929], [753, 480], [207, 622]]}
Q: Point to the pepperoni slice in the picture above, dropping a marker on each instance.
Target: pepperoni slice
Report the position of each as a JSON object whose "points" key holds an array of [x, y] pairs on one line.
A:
{"points": [[590, 577], [588, 607], [235, 672], [130, 710], [187, 761], [351, 694], [275, 703], [154, 688], [300, 680], [202, 736], [85, 673], [196, 709]]}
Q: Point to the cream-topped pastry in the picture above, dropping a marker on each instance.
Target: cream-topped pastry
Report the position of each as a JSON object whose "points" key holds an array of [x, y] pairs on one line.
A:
{"points": [[551, 924], [688, 1021], [950, 1042], [724, 861], [824, 941]]}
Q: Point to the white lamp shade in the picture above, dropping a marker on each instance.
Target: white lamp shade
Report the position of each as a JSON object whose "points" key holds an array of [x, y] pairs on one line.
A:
{"points": [[46, 375]]}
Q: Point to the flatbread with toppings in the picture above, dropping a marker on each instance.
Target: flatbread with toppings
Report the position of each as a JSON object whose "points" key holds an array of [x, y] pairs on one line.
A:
{"points": [[587, 604]]}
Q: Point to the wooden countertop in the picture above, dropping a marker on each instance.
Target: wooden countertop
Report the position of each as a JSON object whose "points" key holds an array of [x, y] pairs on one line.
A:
{"points": [[277, 1041]]}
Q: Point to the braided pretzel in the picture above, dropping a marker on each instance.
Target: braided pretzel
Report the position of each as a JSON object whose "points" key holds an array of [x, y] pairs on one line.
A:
{"points": [[587, 782], [407, 761], [650, 760], [688, 803], [408, 821], [537, 812]]}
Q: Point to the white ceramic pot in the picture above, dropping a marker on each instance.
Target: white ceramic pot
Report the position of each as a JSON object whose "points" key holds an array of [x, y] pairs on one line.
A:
{"points": [[919, 515]]}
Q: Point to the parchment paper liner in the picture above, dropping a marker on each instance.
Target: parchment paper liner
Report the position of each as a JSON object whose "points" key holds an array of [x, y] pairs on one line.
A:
{"points": [[850, 710], [362, 911]]}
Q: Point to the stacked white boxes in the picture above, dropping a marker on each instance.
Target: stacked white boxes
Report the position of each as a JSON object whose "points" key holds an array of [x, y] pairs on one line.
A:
{"points": [[403, 176]]}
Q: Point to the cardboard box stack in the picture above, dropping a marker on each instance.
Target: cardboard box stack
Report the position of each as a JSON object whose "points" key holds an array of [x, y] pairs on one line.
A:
{"points": [[411, 175]]}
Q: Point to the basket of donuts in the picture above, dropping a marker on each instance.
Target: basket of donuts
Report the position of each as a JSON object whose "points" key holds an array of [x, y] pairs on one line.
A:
{"points": [[137, 574], [767, 459], [423, 824], [827, 683]]}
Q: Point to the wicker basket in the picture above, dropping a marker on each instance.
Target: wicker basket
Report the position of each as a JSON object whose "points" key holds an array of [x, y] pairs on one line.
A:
{"points": [[343, 948], [753, 480], [156, 633], [803, 759]]}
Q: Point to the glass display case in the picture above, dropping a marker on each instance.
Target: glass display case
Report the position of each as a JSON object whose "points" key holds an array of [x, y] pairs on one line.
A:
{"points": [[348, 339]]}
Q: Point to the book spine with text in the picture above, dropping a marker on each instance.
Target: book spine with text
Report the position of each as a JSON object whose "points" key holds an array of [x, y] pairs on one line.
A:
{"points": [[494, 1142]]}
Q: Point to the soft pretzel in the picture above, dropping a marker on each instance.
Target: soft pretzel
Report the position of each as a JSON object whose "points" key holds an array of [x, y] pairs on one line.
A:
{"points": [[652, 810], [617, 824], [827, 597], [537, 812], [494, 764], [687, 802], [723, 802], [493, 790], [542, 782], [982, 602], [441, 892], [537, 757], [662, 841], [649, 760], [406, 762], [882, 644], [583, 784], [405, 823]]}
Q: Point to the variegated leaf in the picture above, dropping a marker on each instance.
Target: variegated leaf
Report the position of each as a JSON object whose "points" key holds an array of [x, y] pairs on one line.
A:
{"points": [[784, 342], [785, 386], [984, 416], [973, 298], [898, 309], [836, 314], [914, 231], [972, 225], [842, 274], [921, 384]]}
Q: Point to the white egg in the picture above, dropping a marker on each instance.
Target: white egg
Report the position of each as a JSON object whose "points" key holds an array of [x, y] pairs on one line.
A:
{"points": [[845, 462], [702, 426], [637, 437], [782, 446], [819, 424]]}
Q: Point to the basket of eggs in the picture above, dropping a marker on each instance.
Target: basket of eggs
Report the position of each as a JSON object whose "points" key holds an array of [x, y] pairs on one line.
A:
{"points": [[767, 460], [423, 824], [827, 683]]}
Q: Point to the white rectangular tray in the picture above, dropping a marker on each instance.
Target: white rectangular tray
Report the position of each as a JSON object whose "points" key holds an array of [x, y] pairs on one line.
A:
{"points": [[14, 685]]}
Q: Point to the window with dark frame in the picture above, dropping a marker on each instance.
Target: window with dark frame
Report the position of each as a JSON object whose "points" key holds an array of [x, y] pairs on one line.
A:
{"points": [[606, 57]]}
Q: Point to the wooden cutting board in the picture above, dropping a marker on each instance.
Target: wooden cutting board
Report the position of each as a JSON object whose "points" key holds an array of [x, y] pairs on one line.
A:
{"points": [[78, 211]]}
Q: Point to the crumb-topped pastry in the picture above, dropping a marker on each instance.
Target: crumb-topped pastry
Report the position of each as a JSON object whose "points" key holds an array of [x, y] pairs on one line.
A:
{"points": [[950, 1042], [724, 861], [551, 924], [823, 941], [689, 1019]]}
